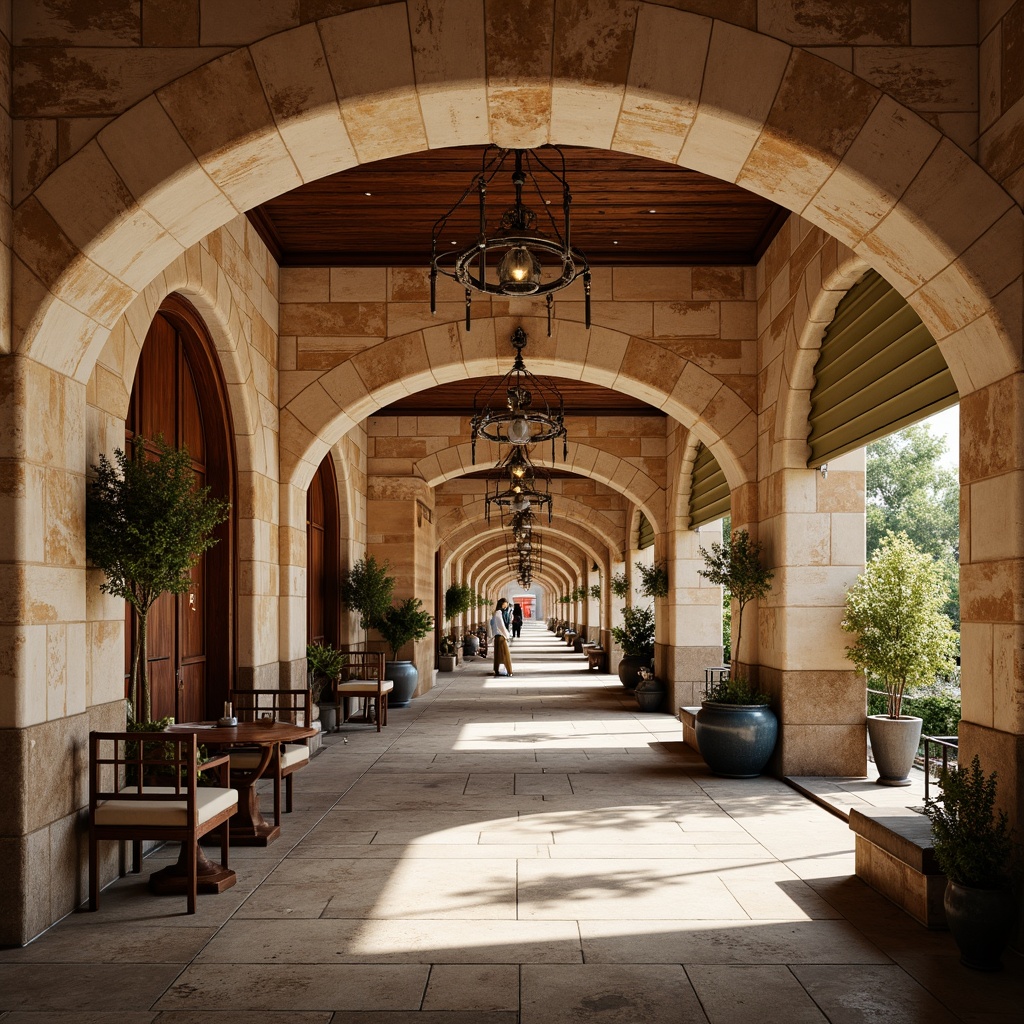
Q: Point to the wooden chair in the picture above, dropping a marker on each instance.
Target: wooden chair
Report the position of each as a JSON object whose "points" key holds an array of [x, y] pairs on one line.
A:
{"points": [[363, 677], [293, 706], [143, 786]]}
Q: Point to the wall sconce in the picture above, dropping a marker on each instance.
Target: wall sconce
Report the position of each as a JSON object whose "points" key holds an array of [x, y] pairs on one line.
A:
{"points": [[823, 469]]}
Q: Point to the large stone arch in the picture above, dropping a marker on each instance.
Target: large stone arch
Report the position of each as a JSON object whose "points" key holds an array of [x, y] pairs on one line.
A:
{"points": [[293, 107], [587, 460], [576, 521], [203, 283], [328, 407]]}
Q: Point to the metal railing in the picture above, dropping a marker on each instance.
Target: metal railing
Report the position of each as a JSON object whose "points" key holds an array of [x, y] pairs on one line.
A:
{"points": [[945, 745]]}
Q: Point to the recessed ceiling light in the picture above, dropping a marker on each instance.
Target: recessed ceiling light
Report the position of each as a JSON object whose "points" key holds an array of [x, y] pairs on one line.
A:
{"points": [[370, 194], [615, 243], [652, 211]]}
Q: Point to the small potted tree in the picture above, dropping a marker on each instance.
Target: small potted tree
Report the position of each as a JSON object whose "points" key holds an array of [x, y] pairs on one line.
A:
{"points": [[903, 639], [402, 624], [636, 638], [446, 654], [736, 727], [323, 667], [146, 526], [973, 845], [367, 588]]}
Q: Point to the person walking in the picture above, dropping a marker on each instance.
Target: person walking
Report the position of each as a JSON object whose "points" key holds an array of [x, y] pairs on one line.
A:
{"points": [[517, 620], [499, 633]]}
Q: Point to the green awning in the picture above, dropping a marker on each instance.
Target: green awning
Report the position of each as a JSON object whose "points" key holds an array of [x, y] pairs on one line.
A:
{"points": [[709, 491], [879, 369]]}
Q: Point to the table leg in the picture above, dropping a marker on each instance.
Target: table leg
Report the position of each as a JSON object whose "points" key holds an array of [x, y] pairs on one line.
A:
{"points": [[248, 826], [210, 877]]}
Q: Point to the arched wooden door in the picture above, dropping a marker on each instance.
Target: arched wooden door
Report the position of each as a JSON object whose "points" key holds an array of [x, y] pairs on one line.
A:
{"points": [[179, 393], [322, 556]]}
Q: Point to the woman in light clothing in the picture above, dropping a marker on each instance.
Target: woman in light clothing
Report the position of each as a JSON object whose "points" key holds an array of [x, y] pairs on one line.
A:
{"points": [[499, 631]]}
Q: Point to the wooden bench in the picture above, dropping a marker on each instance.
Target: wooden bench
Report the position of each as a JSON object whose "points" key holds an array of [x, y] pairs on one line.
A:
{"points": [[597, 658], [893, 854]]}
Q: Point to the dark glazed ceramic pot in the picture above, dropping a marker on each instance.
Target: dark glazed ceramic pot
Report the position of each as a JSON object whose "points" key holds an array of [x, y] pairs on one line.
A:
{"points": [[736, 740]]}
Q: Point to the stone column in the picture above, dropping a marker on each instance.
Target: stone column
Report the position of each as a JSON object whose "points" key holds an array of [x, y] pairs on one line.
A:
{"points": [[400, 530], [812, 527], [694, 611], [992, 585]]}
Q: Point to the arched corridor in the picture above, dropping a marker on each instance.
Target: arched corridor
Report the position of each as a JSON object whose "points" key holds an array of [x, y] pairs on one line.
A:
{"points": [[530, 849]]}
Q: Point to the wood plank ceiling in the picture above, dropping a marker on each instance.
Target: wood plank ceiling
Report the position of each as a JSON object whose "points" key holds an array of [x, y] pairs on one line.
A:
{"points": [[626, 211]]}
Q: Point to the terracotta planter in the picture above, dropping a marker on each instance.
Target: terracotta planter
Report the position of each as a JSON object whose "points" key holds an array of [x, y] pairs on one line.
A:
{"points": [[894, 744]]}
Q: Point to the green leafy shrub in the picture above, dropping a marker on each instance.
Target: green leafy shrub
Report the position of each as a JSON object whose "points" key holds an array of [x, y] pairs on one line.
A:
{"points": [[620, 584], [325, 663], [403, 623], [654, 579], [973, 842], [735, 691], [636, 634]]}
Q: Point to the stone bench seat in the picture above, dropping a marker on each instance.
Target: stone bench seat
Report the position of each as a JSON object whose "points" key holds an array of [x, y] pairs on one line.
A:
{"points": [[597, 658], [894, 855], [688, 718]]}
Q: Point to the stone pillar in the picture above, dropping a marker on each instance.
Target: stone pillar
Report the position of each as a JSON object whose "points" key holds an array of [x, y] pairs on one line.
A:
{"points": [[992, 586], [400, 530], [51, 691], [613, 613], [812, 527], [694, 611], [257, 541]]}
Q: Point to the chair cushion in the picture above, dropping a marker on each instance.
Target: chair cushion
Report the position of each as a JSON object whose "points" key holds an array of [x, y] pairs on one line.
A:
{"points": [[364, 687], [210, 801], [294, 754]]}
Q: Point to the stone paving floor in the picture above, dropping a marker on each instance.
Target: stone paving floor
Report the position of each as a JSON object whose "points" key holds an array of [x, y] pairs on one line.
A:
{"points": [[529, 849]]}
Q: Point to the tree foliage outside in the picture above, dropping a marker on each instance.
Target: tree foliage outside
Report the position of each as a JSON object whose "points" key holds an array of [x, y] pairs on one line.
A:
{"points": [[736, 565], [147, 524], [367, 588], [904, 639], [909, 491]]}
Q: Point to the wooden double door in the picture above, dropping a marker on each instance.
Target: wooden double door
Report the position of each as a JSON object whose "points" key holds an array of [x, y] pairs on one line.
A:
{"points": [[178, 394]]}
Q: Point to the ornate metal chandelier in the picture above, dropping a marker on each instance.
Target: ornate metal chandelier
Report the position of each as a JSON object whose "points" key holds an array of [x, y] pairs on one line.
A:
{"points": [[515, 258], [525, 558], [515, 486], [519, 409]]}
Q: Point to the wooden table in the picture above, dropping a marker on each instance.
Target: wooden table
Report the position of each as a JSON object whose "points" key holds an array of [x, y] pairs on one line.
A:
{"points": [[248, 826]]}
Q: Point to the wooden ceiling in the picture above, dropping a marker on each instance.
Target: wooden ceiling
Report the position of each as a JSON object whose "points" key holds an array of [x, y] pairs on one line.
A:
{"points": [[580, 398], [626, 210]]}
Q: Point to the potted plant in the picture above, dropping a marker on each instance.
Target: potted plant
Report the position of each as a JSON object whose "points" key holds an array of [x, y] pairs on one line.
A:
{"points": [[323, 667], [446, 654], [973, 845], [620, 584], [401, 624], [736, 727], [636, 638], [146, 526], [654, 579], [650, 690], [903, 640], [367, 588], [737, 567]]}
